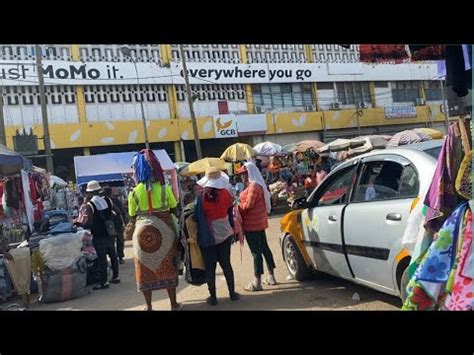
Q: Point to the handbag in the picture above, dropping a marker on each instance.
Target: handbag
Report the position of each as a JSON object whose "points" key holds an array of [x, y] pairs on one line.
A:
{"points": [[129, 230], [109, 224]]}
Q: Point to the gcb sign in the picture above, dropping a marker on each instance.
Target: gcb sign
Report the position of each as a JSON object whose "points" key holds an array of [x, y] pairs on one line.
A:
{"points": [[225, 126]]}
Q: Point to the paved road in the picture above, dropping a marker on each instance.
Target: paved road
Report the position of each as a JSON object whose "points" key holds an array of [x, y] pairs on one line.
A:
{"points": [[322, 293]]}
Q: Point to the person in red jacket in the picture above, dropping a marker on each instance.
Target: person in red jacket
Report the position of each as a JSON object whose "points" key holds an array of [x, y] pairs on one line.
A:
{"points": [[254, 207]]}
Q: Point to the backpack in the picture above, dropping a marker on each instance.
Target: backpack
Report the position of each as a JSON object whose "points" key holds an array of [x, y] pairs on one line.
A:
{"points": [[108, 222]]}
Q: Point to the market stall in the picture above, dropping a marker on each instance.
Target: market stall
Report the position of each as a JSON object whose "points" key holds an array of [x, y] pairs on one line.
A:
{"points": [[117, 167]]}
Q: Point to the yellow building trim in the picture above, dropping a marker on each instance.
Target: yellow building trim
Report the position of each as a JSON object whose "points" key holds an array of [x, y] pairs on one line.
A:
{"points": [[205, 128], [297, 122], [314, 86], [248, 87], [97, 134], [80, 97], [373, 98], [177, 151], [172, 101], [165, 50], [422, 90], [166, 56], [81, 104]]}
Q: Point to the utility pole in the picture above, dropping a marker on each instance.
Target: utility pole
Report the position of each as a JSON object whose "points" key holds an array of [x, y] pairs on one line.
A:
{"points": [[44, 111], [190, 102], [3, 135]]}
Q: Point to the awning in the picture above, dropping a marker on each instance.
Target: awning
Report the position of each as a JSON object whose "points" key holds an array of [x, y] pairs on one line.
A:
{"points": [[111, 166], [10, 162]]}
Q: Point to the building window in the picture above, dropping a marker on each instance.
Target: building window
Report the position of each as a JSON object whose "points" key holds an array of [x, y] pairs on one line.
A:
{"points": [[325, 86], [433, 90], [405, 91], [351, 93], [282, 95]]}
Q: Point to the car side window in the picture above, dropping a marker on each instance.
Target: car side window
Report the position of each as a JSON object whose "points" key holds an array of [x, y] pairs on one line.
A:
{"points": [[336, 190], [409, 184], [380, 180]]}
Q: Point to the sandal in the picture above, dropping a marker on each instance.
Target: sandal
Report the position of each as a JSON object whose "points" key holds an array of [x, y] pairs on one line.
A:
{"points": [[146, 309], [252, 288]]}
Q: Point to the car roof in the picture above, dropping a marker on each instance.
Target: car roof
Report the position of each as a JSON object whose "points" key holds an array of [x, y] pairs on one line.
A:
{"points": [[425, 145], [413, 152]]}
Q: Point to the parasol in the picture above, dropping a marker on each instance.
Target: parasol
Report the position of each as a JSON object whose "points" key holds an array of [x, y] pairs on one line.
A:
{"points": [[303, 146], [407, 137], [200, 166], [238, 152], [267, 149], [430, 132]]}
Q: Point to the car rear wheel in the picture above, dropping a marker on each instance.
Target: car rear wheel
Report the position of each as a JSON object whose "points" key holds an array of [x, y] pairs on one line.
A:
{"points": [[295, 264]]}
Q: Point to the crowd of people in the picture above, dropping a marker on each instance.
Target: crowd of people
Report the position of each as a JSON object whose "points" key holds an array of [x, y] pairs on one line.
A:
{"points": [[153, 213]]}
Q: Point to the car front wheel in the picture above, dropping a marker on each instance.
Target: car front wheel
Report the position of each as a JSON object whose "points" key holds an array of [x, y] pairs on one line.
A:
{"points": [[295, 264]]}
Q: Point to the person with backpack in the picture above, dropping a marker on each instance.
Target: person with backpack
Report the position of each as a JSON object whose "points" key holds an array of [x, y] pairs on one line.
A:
{"points": [[99, 219], [119, 218]]}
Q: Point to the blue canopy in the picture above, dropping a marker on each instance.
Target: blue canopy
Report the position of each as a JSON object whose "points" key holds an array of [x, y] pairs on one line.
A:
{"points": [[112, 166], [10, 162]]}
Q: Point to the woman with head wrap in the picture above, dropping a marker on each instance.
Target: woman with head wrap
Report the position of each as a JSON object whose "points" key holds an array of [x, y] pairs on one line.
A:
{"points": [[151, 204], [254, 207], [213, 213]]}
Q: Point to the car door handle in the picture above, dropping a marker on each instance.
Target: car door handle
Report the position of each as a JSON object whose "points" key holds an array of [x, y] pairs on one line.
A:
{"points": [[332, 218], [394, 217]]}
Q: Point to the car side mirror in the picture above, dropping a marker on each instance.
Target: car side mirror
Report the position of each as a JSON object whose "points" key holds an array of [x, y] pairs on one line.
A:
{"points": [[299, 203]]}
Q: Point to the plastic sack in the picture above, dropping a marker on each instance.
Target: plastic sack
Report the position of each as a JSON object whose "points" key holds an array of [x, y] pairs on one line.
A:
{"points": [[64, 285], [61, 252], [88, 249]]}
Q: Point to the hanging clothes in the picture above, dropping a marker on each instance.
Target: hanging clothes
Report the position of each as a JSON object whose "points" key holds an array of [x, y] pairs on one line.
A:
{"points": [[425, 53], [382, 53], [427, 288], [456, 74], [12, 198], [441, 198], [461, 297], [464, 177]]}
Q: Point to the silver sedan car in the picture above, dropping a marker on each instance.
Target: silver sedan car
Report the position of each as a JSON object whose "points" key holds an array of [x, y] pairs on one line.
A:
{"points": [[352, 224]]}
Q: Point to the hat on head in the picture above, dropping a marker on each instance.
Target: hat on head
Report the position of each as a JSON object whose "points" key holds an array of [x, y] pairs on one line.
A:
{"points": [[214, 178], [93, 186]]}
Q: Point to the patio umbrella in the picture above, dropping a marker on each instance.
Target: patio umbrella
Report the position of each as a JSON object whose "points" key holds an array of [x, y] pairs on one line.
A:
{"points": [[335, 146], [56, 180], [180, 165], [200, 166], [267, 149], [238, 152], [10, 162], [407, 137], [430, 132], [288, 148], [303, 146]]}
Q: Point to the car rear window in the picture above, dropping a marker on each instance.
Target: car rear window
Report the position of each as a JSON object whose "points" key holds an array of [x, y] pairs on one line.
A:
{"points": [[434, 152]]}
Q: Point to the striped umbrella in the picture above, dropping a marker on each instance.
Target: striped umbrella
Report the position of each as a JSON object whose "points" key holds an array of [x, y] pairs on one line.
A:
{"points": [[407, 137]]}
